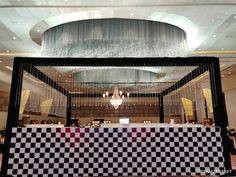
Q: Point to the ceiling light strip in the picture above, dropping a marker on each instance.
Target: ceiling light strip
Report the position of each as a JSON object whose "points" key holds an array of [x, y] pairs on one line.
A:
{"points": [[215, 52]]}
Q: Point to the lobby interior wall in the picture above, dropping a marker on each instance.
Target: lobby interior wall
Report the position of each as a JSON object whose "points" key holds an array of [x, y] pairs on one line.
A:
{"points": [[3, 120], [230, 101], [229, 82], [229, 89], [4, 101]]}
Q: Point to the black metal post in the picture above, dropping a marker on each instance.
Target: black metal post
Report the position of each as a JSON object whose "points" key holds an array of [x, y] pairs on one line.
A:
{"points": [[13, 111], [206, 110], [68, 111], [161, 108], [218, 108], [195, 112]]}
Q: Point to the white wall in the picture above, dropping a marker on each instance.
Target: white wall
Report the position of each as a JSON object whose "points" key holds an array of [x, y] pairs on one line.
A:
{"points": [[229, 88], [3, 120], [229, 82]]}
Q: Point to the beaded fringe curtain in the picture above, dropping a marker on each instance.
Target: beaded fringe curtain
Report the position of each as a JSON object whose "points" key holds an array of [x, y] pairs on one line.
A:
{"points": [[114, 38], [94, 86], [192, 91], [39, 93]]}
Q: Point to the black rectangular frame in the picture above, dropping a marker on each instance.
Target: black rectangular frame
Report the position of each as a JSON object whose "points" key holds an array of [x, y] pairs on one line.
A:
{"points": [[203, 64]]}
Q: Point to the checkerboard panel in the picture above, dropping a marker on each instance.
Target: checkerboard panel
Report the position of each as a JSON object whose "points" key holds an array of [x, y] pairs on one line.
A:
{"points": [[159, 151]]}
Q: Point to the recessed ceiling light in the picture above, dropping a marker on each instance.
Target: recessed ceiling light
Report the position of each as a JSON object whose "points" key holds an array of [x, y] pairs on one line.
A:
{"points": [[38, 30], [18, 0], [0, 61], [214, 36], [222, 48], [131, 14], [7, 51], [223, 75], [235, 16], [103, 8], [14, 37], [213, 20], [65, 0]]}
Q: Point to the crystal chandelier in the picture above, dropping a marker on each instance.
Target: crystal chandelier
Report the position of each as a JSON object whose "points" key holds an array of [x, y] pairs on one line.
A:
{"points": [[117, 97], [116, 100]]}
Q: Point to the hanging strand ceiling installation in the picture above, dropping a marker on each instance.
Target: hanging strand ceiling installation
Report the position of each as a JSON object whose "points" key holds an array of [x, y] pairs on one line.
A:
{"points": [[114, 38]]}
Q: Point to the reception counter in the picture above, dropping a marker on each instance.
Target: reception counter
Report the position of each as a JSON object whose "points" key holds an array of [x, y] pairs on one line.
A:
{"points": [[122, 151], [44, 125], [114, 125]]}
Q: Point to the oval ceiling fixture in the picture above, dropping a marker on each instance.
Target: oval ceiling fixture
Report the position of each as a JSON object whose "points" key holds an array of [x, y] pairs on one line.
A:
{"points": [[114, 38]]}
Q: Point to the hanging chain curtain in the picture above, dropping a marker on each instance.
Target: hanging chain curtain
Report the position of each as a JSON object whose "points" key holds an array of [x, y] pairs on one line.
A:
{"points": [[114, 38]]}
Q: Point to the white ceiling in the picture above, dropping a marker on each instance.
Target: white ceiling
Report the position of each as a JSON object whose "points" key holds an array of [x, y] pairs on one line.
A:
{"points": [[201, 19], [209, 24]]}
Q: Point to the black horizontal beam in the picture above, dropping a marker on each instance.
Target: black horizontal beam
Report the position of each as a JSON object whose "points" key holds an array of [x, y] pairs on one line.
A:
{"points": [[168, 62], [44, 78], [192, 75], [95, 95], [112, 83]]}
